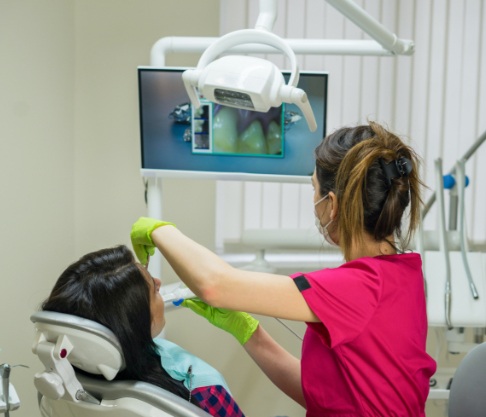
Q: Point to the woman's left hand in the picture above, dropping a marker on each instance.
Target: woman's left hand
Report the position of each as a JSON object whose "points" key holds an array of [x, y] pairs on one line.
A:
{"points": [[240, 325]]}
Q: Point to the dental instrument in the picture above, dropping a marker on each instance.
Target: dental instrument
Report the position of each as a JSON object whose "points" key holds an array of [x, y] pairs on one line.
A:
{"points": [[9, 400], [443, 241], [5, 373], [174, 294], [461, 186], [450, 257]]}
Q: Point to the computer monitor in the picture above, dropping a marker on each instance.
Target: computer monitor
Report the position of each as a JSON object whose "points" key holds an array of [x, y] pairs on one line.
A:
{"points": [[219, 142]]}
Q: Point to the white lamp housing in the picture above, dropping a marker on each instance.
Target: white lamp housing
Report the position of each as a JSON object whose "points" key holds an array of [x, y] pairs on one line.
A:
{"points": [[246, 82]]}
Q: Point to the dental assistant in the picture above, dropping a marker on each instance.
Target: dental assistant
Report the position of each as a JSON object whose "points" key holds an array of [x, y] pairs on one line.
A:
{"points": [[363, 352]]}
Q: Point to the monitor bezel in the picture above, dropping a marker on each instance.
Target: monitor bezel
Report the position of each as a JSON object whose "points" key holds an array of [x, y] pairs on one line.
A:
{"points": [[217, 175]]}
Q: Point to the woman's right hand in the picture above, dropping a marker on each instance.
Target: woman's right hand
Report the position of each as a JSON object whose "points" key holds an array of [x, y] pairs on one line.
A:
{"points": [[141, 237]]}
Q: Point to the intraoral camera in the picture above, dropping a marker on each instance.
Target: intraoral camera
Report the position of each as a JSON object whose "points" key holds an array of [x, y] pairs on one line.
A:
{"points": [[246, 82]]}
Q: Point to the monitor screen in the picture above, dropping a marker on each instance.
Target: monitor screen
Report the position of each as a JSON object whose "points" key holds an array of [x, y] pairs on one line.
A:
{"points": [[223, 142]]}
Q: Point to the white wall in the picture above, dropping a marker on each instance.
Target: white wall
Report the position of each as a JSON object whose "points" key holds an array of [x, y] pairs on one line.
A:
{"points": [[112, 39], [36, 174]]}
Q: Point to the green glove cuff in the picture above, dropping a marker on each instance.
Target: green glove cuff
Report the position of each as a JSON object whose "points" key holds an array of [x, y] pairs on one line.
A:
{"points": [[141, 236], [244, 334], [156, 225], [240, 325]]}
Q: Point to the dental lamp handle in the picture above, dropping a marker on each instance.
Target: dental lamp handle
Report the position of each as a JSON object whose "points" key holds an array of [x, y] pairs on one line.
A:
{"points": [[297, 96], [190, 79]]}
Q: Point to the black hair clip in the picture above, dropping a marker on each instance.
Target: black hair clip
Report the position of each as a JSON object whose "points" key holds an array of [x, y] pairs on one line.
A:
{"points": [[401, 167]]}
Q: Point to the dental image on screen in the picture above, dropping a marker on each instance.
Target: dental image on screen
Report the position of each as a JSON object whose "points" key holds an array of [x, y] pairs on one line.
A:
{"points": [[223, 141], [218, 129]]}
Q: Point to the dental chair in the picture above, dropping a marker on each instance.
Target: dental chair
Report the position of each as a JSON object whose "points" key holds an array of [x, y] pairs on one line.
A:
{"points": [[66, 344], [467, 396]]}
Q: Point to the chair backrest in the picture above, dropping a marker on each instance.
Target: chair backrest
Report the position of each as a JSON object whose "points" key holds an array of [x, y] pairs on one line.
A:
{"points": [[63, 341], [467, 397], [96, 349]]}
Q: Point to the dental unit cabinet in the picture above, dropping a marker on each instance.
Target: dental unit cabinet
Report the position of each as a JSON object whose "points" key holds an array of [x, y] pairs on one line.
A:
{"points": [[454, 267], [454, 271]]}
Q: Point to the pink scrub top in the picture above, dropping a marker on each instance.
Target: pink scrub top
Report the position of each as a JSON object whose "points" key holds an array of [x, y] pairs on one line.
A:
{"points": [[367, 357]]}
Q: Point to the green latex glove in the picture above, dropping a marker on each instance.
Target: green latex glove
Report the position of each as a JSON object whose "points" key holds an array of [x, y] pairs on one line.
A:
{"points": [[240, 325], [141, 237]]}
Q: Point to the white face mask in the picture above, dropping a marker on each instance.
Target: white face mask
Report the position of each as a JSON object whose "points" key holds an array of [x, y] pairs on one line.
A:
{"points": [[323, 230]]}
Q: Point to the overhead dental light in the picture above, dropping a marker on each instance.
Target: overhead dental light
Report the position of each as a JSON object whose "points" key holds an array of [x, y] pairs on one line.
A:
{"points": [[246, 82]]}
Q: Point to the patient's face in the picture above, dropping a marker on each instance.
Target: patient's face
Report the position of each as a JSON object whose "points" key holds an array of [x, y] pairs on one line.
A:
{"points": [[156, 303]]}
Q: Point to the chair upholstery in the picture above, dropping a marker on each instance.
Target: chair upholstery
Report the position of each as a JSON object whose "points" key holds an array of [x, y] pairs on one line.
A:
{"points": [[467, 397]]}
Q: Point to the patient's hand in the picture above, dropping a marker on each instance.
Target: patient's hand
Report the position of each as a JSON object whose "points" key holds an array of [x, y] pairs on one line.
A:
{"points": [[240, 325]]}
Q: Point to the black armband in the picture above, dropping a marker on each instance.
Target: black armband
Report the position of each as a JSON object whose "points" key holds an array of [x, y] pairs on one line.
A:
{"points": [[302, 283]]}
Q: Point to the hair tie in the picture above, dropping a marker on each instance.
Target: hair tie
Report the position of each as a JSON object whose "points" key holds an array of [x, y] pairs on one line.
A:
{"points": [[401, 167]]}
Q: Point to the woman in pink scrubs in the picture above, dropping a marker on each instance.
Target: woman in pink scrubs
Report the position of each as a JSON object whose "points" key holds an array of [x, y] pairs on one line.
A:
{"points": [[364, 349]]}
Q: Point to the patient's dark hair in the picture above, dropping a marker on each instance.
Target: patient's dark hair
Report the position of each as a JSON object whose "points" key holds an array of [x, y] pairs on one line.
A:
{"points": [[108, 287]]}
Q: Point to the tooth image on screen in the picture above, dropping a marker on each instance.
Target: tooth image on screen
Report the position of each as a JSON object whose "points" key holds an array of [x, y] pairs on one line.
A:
{"points": [[252, 140], [225, 135], [274, 139]]}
